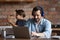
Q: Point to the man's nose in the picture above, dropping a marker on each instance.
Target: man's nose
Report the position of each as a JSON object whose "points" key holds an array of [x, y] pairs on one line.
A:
{"points": [[35, 16]]}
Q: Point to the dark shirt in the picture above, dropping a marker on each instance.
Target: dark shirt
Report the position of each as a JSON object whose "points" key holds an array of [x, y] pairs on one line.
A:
{"points": [[21, 22]]}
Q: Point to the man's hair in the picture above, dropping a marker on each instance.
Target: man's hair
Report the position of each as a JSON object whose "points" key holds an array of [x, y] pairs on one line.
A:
{"points": [[36, 9], [20, 12]]}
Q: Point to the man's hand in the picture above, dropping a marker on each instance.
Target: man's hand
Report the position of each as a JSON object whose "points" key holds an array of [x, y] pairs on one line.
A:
{"points": [[34, 34], [38, 34]]}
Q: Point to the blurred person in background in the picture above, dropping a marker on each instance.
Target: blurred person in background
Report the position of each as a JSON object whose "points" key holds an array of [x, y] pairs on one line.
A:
{"points": [[20, 14]]}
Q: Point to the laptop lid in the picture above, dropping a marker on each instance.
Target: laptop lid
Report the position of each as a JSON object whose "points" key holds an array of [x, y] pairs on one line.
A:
{"points": [[21, 32]]}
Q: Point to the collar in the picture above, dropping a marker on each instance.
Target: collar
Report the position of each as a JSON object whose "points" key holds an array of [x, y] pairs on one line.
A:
{"points": [[40, 22]]}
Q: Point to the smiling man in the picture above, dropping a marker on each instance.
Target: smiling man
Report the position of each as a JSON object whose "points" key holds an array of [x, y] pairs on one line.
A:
{"points": [[38, 25]]}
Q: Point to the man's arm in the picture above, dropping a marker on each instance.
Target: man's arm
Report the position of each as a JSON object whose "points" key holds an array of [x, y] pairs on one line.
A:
{"points": [[47, 31], [38, 34]]}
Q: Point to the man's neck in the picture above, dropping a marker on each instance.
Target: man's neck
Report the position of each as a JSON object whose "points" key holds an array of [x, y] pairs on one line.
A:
{"points": [[37, 22]]}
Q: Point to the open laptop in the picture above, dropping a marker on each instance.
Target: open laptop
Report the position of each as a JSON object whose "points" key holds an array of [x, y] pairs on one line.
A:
{"points": [[21, 32]]}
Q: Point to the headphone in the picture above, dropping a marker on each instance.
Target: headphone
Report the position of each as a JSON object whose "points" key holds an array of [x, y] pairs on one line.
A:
{"points": [[38, 8]]}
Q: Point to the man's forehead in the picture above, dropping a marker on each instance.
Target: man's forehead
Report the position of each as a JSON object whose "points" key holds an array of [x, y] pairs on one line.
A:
{"points": [[37, 12]]}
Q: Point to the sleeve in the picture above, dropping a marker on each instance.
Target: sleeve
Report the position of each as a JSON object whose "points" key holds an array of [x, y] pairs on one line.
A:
{"points": [[48, 29], [28, 23]]}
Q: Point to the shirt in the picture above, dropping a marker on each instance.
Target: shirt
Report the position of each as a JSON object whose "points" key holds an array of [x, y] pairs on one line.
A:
{"points": [[21, 22], [43, 27]]}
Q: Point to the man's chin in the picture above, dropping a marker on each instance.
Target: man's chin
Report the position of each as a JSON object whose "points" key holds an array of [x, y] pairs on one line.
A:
{"points": [[36, 21]]}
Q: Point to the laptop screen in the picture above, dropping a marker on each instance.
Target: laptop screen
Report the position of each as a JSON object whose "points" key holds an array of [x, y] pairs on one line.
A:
{"points": [[21, 32]]}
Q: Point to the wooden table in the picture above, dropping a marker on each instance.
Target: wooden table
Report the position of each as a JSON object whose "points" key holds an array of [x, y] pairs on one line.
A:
{"points": [[55, 31], [30, 39]]}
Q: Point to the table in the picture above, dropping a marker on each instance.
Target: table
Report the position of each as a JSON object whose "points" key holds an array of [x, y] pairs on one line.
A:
{"points": [[30, 39], [55, 31]]}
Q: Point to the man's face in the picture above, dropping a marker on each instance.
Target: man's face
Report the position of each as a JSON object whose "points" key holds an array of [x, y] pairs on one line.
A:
{"points": [[37, 16]]}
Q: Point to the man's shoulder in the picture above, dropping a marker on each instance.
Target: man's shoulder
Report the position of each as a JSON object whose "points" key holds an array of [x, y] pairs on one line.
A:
{"points": [[46, 20], [31, 19]]}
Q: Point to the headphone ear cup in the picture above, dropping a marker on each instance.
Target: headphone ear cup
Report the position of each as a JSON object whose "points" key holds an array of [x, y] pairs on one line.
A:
{"points": [[42, 14]]}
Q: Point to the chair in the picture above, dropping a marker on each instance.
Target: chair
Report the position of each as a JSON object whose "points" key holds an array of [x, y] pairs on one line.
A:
{"points": [[8, 33]]}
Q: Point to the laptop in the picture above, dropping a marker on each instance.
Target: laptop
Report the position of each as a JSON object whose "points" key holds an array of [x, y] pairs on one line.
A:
{"points": [[21, 32]]}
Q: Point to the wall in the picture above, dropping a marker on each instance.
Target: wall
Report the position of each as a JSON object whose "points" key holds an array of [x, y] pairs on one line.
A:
{"points": [[51, 9]]}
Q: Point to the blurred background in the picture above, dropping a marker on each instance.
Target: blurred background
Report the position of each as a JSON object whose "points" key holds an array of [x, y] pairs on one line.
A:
{"points": [[8, 7], [51, 10]]}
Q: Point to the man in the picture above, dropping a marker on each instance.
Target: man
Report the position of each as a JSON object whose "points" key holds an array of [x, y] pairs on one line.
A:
{"points": [[38, 25]]}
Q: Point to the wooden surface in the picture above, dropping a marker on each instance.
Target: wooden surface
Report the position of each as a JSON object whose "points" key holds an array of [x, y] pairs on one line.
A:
{"points": [[56, 31], [28, 39]]}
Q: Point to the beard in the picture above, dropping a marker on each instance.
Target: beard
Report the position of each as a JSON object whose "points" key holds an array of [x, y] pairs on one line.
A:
{"points": [[36, 19]]}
